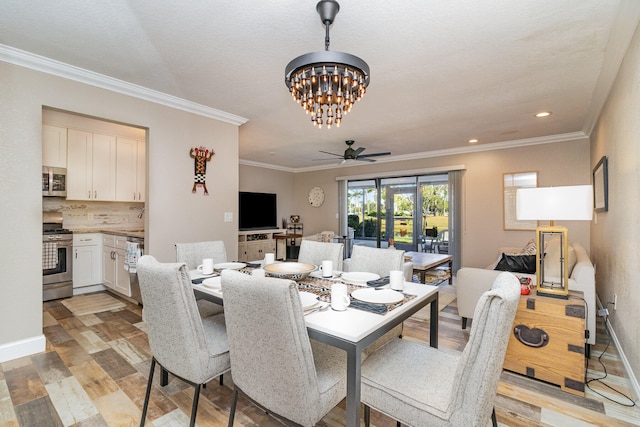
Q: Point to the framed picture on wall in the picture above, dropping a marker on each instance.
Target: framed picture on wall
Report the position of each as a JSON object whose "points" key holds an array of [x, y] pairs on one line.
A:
{"points": [[601, 186], [510, 184]]}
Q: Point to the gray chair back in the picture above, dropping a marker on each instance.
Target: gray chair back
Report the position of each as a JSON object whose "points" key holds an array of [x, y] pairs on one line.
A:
{"points": [[312, 252], [174, 326], [271, 356], [481, 361], [192, 254], [376, 260]]}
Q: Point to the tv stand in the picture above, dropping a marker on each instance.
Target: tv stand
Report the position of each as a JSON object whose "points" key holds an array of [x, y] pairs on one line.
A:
{"points": [[254, 244]]}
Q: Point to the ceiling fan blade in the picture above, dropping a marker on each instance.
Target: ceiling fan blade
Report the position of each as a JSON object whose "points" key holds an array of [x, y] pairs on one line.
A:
{"points": [[318, 160], [359, 150], [333, 154], [364, 159], [343, 161], [375, 154]]}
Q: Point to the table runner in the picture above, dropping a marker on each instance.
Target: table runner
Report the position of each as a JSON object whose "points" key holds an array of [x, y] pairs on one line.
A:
{"points": [[322, 288]]}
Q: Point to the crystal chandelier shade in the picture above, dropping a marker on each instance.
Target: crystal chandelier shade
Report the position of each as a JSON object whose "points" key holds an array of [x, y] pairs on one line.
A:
{"points": [[327, 84]]}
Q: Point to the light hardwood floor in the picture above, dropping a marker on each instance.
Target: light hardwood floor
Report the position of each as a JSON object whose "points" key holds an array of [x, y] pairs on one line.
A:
{"points": [[95, 369]]}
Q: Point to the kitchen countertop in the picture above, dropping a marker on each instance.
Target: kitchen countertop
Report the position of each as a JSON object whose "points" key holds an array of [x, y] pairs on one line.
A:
{"points": [[126, 233]]}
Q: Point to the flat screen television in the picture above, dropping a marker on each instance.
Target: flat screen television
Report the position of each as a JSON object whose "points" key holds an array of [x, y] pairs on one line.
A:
{"points": [[257, 211]]}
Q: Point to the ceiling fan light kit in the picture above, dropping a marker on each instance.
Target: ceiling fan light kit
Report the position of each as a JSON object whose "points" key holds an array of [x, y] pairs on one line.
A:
{"points": [[327, 84]]}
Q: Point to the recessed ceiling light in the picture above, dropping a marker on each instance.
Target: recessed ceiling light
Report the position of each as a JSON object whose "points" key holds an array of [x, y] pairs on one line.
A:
{"points": [[543, 114], [473, 141]]}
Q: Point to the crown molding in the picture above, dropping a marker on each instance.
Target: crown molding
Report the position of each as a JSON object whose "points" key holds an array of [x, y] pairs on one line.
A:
{"points": [[550, 139], [50, 66]]}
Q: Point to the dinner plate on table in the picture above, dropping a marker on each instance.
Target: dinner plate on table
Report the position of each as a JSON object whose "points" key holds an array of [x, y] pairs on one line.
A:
{"points": [[318, 275], [358, 278], [378, 296], [229, 266], [212, 283], [308, 300]]}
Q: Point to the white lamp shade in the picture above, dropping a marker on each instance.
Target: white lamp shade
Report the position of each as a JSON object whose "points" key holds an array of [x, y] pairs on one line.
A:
{"points": [[555, 203]]}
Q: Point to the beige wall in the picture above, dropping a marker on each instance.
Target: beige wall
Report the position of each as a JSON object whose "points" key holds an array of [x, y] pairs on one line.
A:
{"points": [[173, 213], [615, 243], [564, 163]]}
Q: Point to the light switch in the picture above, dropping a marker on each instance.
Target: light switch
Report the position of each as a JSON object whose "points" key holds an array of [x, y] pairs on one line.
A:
{"points": [[228, 217]]}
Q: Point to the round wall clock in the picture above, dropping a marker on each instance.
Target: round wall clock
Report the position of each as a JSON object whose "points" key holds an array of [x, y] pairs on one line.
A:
{"points": [[316, 197]]}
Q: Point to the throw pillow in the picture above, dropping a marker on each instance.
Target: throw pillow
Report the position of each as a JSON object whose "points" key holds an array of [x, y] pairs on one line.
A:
{"points": [[529, 248], [517, 263]]}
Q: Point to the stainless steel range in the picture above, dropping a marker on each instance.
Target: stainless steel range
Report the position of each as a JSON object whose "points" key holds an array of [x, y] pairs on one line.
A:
{"points": [[57, 249]]}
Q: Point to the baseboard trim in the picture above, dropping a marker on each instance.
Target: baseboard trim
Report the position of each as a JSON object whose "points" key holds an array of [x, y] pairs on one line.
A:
{"points": [[21, 348], [623, 357]]}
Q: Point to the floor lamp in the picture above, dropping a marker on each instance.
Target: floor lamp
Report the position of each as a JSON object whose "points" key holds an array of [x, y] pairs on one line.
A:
{"points": [[552, 204]]}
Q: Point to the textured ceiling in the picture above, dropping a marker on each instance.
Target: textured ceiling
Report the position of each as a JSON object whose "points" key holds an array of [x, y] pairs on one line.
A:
{"points": [[442, 72]]}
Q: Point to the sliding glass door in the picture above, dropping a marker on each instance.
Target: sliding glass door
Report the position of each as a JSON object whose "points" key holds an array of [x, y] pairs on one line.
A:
{"points": [[397, 210]]}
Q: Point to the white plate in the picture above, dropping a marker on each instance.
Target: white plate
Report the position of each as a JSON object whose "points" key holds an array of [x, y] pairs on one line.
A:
{"points": [[358, 278], [212, 283], [229, 266], [207, 274], [308, 300], [380, 296], [318, 275]]}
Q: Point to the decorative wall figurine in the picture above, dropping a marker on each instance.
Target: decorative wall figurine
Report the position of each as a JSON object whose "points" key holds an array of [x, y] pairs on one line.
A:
{"points": [[201, 156]]}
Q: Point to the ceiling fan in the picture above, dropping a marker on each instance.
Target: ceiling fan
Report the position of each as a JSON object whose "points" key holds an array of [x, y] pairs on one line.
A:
{"points": [[354, 154]]}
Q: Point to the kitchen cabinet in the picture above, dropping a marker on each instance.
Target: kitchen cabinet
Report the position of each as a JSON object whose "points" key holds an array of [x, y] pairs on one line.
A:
{"points": [[130, 170], [114, 276], [87, 259], [91, 166], [54, 146]]}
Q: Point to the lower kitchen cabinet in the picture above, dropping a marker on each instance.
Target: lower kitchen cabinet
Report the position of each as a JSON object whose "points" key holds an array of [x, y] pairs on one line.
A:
{"points": [[87, 262], [114, 275]]}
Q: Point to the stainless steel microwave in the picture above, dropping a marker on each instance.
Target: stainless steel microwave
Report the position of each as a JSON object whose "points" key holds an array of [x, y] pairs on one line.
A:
{"points": [[54, 181]]}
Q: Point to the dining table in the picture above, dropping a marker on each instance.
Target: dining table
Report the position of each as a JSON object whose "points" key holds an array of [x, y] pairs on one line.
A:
{"points": [[351, 330]]}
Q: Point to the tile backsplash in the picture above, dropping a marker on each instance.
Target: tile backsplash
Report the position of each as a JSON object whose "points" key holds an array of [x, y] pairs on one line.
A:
{"points": [[86, 215]]}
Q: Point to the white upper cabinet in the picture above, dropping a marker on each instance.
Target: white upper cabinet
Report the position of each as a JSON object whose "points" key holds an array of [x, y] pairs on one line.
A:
{"points": [[54, 146], [91, 166], [130, 172]]}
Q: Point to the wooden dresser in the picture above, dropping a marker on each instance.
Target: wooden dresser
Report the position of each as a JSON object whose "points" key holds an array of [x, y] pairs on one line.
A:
{"points": [[547, 341]]}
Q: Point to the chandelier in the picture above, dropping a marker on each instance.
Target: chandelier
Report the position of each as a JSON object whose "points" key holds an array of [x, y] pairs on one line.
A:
{"points": [[327, 84]]}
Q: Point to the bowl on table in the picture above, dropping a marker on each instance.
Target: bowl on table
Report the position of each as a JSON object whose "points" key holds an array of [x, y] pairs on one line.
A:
{"points": [[289, 270]]}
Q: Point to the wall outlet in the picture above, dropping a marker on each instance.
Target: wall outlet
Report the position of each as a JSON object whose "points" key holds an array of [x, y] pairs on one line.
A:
{"points": [[90, 216], [615, 300], [228, 217]]}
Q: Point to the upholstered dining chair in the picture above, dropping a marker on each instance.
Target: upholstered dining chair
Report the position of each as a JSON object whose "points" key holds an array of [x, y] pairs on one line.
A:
{"points": [[312, 252], [274, 362], [379, 261], [423, 386], [192, 255], [190, 347]]}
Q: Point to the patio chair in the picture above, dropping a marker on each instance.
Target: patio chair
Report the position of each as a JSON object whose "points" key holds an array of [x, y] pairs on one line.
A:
{"points": [[442, 242], [427, 239]]}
